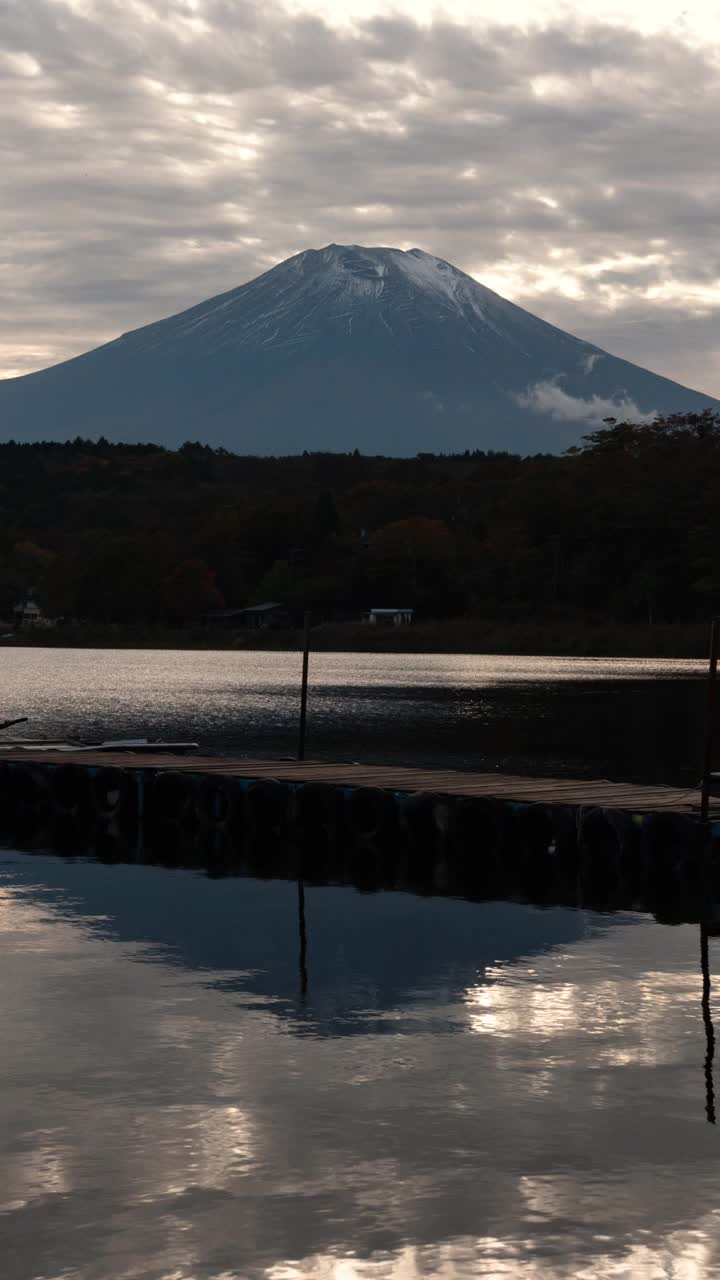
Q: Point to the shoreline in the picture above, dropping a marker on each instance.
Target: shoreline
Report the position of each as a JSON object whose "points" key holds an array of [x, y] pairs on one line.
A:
{"points": [[455, 636]]}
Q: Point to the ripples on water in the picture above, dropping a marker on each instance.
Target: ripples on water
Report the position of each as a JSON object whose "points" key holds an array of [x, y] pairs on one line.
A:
{"points": [[465, 1090], [631, 719]]}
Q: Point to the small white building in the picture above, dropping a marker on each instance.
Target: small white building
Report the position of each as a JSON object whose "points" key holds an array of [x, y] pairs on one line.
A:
{"points": [[389, 617], [28, 614]]}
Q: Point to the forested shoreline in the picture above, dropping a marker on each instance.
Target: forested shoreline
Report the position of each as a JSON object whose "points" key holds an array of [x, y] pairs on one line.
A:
{"points": [[620, 536]]}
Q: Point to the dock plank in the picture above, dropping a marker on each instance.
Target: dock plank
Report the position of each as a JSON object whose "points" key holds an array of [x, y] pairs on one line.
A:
{"points": [[551, 791]]}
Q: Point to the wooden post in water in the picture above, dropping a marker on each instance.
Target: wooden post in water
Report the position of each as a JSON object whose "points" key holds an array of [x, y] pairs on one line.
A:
{"points": [[302, 933], [304, 687], [709, 1030], [710, 720]]}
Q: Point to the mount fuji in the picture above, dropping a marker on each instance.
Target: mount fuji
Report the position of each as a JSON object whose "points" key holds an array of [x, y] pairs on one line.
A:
{"points": [[383, 350]]}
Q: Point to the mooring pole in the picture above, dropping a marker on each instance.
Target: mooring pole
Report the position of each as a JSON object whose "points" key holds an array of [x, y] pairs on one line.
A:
{"points": [[710, 719], [709, 1030], [302, 935], [304, 687]]}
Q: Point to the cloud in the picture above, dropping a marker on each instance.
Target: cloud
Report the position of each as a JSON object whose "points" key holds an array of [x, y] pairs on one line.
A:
{"points": [[588, 362], [157, 153], [548, 397]]}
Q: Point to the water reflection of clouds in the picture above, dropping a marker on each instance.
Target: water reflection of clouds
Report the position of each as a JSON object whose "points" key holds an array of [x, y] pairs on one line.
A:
{"points": [[626, 1016], [499, 1010], [682, 1255], [201, 1140], [40, 1169]]}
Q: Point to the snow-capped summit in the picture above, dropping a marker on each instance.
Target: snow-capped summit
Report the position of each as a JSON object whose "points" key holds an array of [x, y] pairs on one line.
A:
{"points": [[332, 288], [385, 350]]}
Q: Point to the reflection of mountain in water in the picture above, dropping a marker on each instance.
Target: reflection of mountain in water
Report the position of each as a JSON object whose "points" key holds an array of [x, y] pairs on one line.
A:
{"points": [[368, 954], [151, 1125]]}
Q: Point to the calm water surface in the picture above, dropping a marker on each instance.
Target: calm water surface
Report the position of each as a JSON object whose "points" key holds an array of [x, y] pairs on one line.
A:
{"points": [[618, 718], [464, 1090]]}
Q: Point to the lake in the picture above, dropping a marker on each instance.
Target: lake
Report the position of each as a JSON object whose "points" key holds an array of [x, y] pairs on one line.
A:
{"points": [[452, 1090], [633, 719]]}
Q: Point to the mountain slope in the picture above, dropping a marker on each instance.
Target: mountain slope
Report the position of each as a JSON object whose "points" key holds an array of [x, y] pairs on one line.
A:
{"points": [[340, 348]]}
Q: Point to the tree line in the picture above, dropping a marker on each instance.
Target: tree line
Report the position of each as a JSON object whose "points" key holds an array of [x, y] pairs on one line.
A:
{"points": [[626, 527]]}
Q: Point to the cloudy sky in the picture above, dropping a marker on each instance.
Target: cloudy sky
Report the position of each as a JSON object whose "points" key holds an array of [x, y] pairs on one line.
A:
{"points": [[155, 152]]}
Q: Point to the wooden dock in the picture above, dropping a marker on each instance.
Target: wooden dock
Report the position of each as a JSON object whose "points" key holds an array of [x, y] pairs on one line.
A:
{"points": [[581, 842], [575, 793]]}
